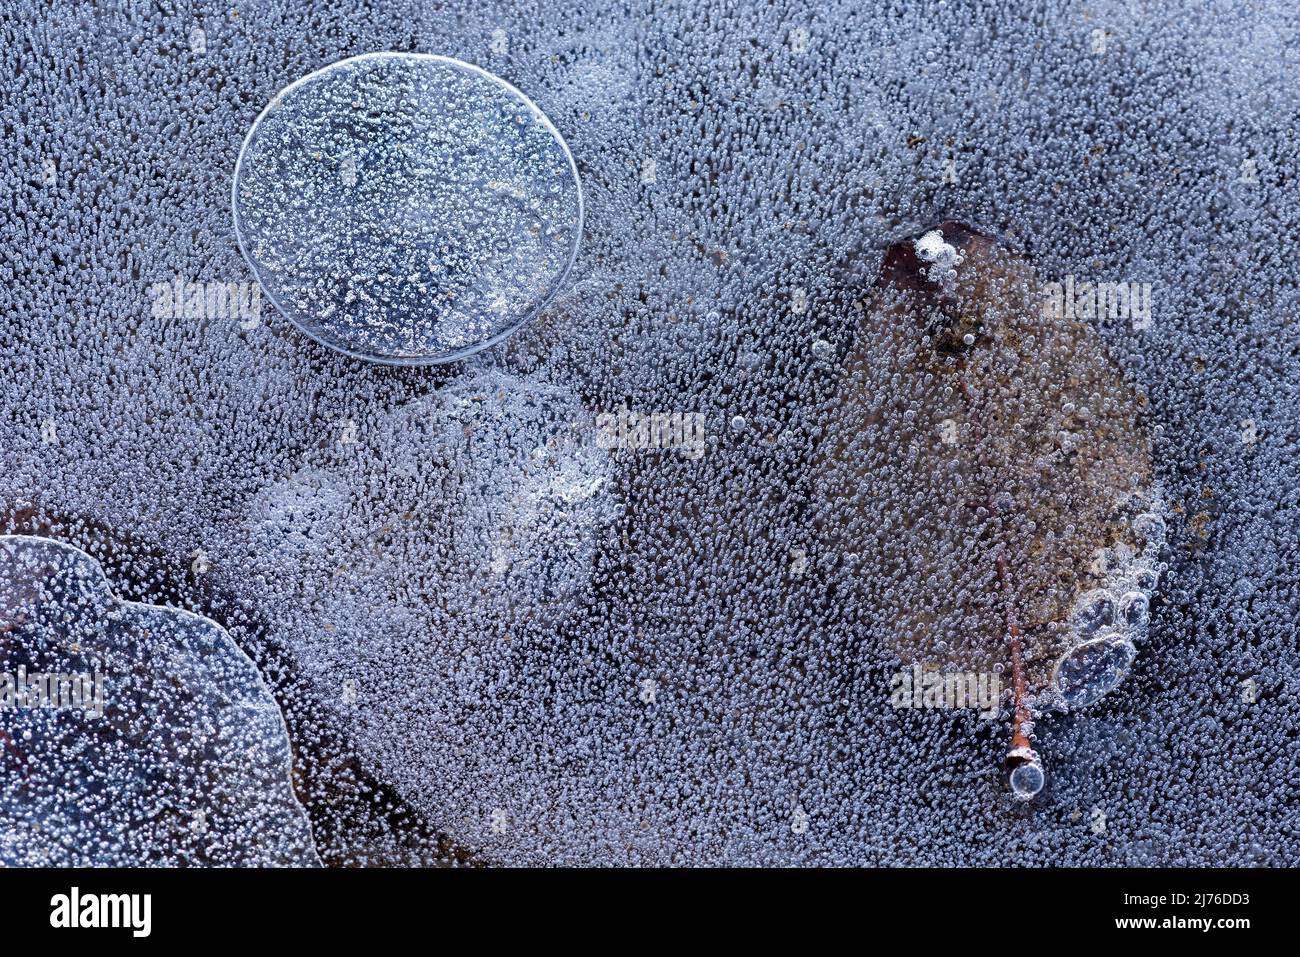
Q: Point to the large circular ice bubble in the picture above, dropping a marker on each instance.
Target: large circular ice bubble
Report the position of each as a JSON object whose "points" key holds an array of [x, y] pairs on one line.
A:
{"points": [[406, 208]]}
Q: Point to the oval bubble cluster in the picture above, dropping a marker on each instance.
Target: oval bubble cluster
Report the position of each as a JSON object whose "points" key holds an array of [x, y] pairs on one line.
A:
{"points": [[1109, 622]]}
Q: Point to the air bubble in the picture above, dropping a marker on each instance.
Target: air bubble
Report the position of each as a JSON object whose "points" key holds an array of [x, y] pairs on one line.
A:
{"points": [[1146, 579], [179, 717], [1134, 610], [402, 207], [1092, 669], [1150, 528], [1095, 611], [1027, 780]]}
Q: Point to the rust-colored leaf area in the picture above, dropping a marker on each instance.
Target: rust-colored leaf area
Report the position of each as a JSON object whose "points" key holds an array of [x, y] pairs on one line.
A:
{"points": [[990, 459]]}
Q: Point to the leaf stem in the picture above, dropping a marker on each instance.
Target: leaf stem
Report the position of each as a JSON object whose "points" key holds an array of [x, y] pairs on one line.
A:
{"points": [[1021, 745]]}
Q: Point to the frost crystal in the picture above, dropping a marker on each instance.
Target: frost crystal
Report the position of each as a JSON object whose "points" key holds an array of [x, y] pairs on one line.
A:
{"points": [[497, 637]]}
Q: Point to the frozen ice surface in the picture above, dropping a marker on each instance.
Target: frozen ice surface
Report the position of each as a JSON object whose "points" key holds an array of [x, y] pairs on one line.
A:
{"points": [[180, 757], [406, 208], [707, 669]]}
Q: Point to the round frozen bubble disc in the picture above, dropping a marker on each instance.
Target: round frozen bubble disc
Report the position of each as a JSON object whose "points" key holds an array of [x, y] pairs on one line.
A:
{"points": [[1027, 780], [1090, 670], [406, 208]]}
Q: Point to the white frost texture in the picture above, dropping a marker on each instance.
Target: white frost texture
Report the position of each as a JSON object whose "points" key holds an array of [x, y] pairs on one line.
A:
{"points": [[861, 348]]}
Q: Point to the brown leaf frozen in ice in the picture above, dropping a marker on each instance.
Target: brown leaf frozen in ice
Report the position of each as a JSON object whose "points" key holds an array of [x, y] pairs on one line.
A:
{"points": [[972, 425]]}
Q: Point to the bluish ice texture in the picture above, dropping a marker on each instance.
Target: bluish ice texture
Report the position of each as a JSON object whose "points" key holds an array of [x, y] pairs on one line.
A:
{"points": [[180, 757], [675, 682]]}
